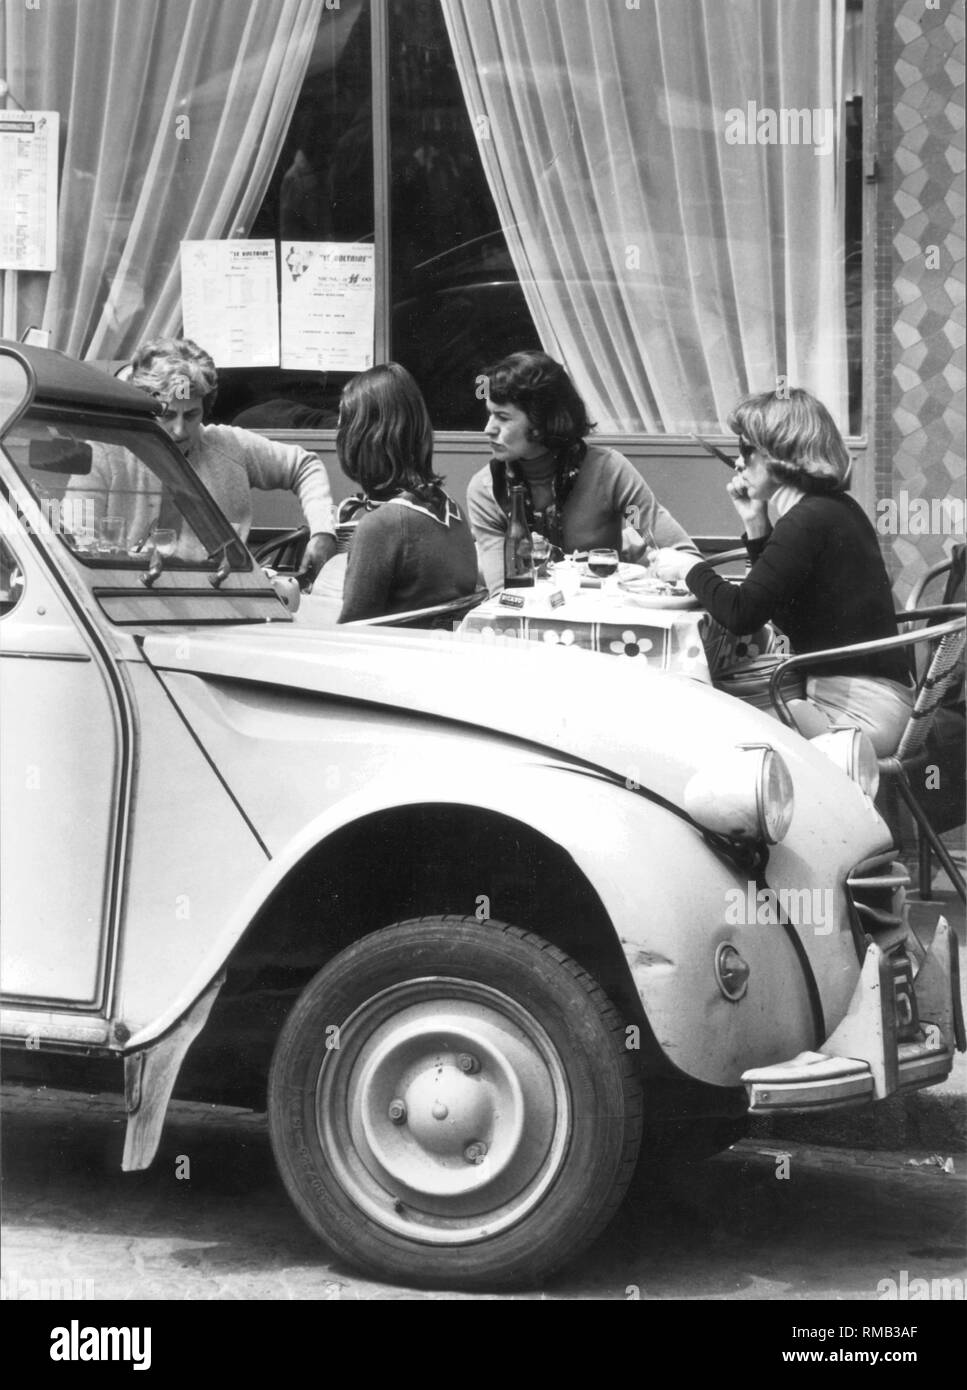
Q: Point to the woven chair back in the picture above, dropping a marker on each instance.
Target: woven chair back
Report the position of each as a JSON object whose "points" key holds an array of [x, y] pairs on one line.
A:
{"points": [[943, 672]]}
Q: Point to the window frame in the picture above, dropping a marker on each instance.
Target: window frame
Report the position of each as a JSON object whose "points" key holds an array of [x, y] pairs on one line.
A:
{"points": [[677, 452], [382, 189]]}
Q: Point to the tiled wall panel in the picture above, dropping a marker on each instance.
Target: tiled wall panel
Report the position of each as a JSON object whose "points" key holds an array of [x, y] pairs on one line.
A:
{"points": [[922, 446]]}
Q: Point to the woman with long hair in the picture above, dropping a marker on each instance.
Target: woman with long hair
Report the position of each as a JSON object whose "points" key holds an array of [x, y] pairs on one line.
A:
{"points": [[580, 496], [414, 550], [817, 572]]}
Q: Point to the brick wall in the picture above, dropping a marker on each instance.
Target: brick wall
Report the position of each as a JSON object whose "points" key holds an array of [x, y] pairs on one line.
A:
{"points": [[919, 330]]}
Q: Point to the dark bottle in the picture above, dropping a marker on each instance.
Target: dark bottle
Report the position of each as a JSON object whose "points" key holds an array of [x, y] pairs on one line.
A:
{"points": [[518, 570]]}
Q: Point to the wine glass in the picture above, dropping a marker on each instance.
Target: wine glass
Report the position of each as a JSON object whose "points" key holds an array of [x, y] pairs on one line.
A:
{"points": [[603, 563], [540, 554]]}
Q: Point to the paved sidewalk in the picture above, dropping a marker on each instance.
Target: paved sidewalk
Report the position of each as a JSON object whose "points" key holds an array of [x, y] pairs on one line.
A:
{"points": [[764, 1221]]}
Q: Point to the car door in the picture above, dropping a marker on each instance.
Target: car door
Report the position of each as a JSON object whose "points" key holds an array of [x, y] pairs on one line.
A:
{"points": [[60, 790]]}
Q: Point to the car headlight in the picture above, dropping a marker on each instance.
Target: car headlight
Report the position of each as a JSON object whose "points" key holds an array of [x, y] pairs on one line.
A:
{"points": [[746, 795], [853, 753]]}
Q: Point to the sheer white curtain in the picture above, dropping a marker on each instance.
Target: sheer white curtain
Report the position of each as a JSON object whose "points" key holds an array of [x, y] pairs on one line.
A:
{"points": [[174, 114], [669, 269]]}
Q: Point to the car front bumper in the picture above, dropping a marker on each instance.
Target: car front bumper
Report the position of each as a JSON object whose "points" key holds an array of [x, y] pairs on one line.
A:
{"points": [[865, 1059]]}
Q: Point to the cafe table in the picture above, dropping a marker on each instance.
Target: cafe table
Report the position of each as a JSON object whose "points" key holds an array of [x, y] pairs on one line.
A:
{"points": [[661, 632]]}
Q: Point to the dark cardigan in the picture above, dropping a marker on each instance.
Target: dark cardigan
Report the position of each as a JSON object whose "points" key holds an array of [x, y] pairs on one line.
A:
{"points": [[403, 559], [819, 576]]}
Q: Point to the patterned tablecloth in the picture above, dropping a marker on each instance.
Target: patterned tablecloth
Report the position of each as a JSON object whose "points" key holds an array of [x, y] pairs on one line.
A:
{"points": [[681, 640]]}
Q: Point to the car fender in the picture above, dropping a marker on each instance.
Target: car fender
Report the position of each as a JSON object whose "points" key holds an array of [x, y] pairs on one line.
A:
{"points": [[669, 924], [552, 812]]}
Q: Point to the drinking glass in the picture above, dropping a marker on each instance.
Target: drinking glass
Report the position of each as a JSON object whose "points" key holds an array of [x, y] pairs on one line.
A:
{"points": [[110, 534], [567, 576], [161, 542], [86, 539], [603, 563]]}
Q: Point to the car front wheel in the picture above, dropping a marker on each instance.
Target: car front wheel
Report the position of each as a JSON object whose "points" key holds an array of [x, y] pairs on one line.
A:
{"points": [[452, 1103]]}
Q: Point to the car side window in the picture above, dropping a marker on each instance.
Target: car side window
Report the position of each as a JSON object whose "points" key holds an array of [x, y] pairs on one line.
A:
{"points": [[114, 494], [11, 579]]}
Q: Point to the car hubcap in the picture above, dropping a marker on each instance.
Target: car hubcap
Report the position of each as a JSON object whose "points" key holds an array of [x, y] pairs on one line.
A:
{"points": [[445, 1110]]}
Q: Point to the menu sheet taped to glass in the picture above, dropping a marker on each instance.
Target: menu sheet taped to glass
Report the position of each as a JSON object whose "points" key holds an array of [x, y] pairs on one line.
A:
{"points": [[28, 190], [230, 301], [328, 305]]}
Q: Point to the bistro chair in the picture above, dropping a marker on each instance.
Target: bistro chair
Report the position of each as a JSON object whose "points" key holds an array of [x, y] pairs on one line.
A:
{"points": [[440, 616], [945, 804], [726, 557], [348, 516], [952, 570], [943, 670], [284, 550]]}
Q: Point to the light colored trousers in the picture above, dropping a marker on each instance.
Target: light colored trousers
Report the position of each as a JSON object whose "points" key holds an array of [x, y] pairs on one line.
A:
{"points": [[879, 707]]}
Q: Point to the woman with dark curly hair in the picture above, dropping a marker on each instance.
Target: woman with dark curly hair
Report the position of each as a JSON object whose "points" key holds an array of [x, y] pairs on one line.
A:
{"points": [[817, 573], [580, 496], [415, 550]]}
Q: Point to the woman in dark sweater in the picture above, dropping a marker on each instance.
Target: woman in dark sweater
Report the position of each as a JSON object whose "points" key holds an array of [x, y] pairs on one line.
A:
{"points": [[416, 550], [817, 573]]}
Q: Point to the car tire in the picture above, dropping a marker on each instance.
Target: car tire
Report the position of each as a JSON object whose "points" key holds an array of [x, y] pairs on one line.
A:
{"points": [[451, 1103]]}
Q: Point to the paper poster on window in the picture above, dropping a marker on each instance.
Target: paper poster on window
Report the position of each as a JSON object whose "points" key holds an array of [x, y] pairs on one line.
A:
{"points": [[230, 301], [328, 305], [28, 190]]}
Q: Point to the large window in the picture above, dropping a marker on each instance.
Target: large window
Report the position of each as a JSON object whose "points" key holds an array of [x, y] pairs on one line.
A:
{"points": [[670, 178], [667, 197], [457, 302], [321, 190]]}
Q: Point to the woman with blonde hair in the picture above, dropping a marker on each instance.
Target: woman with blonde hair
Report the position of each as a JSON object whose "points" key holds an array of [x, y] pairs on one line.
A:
{"points": [[817, 571], [230, 461]]}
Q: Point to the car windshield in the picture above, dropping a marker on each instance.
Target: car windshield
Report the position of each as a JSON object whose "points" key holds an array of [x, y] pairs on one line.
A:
{"points": [[117, 495]]}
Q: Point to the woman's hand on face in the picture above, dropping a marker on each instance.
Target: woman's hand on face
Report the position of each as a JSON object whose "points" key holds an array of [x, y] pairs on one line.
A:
{"points": [[752, 510], [670, 564]]}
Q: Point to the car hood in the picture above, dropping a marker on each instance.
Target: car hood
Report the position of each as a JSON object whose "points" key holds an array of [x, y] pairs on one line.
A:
{"points": [[647, 727]]}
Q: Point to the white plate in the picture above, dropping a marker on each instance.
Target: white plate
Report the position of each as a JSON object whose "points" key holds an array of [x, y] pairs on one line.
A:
{"points": [[639, 588], [625, 572], [641, 598]]}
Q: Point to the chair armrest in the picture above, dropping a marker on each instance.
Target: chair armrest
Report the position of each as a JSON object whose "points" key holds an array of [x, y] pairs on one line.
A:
{"points": [[916, 593], [833, 654], [457, 607], [939, 610], [726, 557], [265, 550]]}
